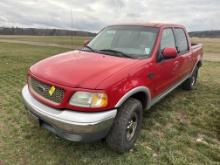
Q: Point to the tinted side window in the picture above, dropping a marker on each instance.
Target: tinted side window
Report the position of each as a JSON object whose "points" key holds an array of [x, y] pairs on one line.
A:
{"points": [[181, 40], [167, 40]]}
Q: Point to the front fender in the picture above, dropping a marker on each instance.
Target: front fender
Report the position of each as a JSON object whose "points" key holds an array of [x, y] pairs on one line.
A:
{"points": [[135, 91]]}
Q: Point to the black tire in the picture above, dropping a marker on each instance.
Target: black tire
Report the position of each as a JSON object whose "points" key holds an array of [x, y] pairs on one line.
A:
{"points": [[129, 115], [190, 83]]}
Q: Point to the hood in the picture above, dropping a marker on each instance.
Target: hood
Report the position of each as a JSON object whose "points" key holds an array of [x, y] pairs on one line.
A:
{"points": [[79, 68]]}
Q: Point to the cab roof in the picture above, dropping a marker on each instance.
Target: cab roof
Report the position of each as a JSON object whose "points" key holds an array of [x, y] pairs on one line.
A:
{"points": [[158, 25]]}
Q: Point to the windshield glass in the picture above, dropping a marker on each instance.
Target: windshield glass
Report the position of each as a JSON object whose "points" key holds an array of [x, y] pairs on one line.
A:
{"points": [[135, 41]]}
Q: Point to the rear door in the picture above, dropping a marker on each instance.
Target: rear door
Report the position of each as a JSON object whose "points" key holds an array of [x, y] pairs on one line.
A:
{"points": [[184, 53]]}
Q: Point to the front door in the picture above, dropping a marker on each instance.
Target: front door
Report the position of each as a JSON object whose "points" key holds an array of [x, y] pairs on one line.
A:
{"points": [[167, 69]]}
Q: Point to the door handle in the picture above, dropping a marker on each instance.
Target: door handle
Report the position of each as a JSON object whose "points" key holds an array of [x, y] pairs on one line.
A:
{"points": [[176, 62], [176, 65]]}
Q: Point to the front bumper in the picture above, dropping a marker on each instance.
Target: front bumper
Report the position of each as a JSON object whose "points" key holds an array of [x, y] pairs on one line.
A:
{"points": [[71, 125]]}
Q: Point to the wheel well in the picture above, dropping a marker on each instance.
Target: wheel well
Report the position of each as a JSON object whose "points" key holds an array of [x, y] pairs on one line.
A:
{"points": [[142, 97], [199, 64]]}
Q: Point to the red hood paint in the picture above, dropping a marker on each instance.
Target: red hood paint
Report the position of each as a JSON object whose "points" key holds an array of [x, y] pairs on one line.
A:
{"points": [[79, 68]]}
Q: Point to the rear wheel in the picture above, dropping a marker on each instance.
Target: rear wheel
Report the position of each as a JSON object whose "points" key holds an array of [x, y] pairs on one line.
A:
{"points": [[190, 83], [126, 127]]}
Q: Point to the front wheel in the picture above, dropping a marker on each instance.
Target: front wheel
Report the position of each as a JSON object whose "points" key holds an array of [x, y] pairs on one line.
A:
{"points": [[190, 83], [126, 127]]}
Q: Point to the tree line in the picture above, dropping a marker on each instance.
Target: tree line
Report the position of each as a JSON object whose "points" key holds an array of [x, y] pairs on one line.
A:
{"points": [[42, 32], [206, 34], [61, 32]]}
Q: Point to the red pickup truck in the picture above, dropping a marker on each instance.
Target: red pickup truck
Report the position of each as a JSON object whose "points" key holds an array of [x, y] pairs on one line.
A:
{"points": [[101, 90]]}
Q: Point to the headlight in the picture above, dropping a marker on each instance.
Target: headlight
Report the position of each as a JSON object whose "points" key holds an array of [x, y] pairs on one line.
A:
{"points": [[89, 99]]}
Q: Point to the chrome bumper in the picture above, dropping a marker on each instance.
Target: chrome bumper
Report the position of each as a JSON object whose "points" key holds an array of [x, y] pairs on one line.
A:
{"points": [[72, 125]]}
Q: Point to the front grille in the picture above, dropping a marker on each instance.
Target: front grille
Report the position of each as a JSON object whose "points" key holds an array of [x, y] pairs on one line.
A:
{"points": [[43, 89]]}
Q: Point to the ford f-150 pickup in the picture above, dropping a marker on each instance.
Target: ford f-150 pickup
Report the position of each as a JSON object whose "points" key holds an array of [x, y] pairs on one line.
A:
{"points": [[102, 90]]}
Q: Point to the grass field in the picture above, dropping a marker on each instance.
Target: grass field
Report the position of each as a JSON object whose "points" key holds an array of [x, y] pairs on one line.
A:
{"points": [[54, 41], [183, 128]]}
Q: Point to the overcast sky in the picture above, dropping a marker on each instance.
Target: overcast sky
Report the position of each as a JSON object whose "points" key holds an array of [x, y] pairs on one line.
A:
{"points": [[92, 15]]}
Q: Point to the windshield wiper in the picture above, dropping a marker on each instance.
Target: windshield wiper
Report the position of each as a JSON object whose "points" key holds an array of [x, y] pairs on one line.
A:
{"points": [[116, 52], [90, 48]]}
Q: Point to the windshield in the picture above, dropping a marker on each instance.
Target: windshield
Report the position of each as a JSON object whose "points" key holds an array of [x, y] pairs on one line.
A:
{"points": [[129, 41]]}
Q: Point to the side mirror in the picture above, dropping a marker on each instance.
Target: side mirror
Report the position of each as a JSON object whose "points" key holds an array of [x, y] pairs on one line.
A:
{"points": [[169, 52], [86, 42]]}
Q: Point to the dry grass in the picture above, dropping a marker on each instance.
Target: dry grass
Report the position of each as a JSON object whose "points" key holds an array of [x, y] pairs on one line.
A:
{"points": [[211, 48]]}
